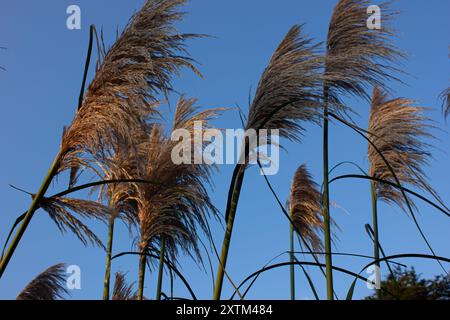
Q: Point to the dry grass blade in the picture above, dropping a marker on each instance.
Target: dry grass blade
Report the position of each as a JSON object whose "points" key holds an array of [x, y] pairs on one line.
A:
{"points": [[357, 57], [122, 290], [49, 285], [181, 207], [397, 128], [305, 205], [446, 102], [288, 89], [61, 211], [179, 204], [138, 66], [288, 93]]}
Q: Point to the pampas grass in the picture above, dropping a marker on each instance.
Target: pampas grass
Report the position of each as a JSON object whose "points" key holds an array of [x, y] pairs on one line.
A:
{"points": [[305, 205], [122, 290], [287, 95], [356, 58], [305, 209], [121, 96], [397, 128], [49, 285]]}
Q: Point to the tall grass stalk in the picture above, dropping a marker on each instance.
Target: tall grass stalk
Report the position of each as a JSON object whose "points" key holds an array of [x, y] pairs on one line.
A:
{"points": [[291, 258], [356, 59], [376, 250], [107, 280], [286, 96], [29, 215], [142, 262], [326, 205], [231, 212], [50, 174], [161, 268]]}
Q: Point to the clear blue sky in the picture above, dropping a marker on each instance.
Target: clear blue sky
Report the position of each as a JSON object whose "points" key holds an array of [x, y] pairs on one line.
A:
{"points": [[38, 95]]}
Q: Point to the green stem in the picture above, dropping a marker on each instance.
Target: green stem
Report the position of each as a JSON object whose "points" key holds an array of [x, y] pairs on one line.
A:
{"points": [[48, 179], [142, 260], [161, 268], [240, 171], [34, 206], [291, 255], [326, 205], [86, 66], [376, 249], [108, 258]]}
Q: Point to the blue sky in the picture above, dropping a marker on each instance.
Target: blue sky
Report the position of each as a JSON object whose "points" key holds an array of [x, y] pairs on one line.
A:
{"points": [[39, 92]]}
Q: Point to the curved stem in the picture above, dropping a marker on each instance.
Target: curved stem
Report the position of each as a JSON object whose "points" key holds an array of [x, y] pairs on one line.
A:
{"points": [[301, 238], [48, 179], [357, 176], [236, 190], [29, 215], [306, 263], [408, 204], [402, 256], [86, 66]]}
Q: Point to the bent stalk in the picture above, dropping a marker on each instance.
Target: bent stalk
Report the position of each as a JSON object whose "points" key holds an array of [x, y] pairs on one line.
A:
{"points": [[34, 206], [50, 174], [231, 213]]}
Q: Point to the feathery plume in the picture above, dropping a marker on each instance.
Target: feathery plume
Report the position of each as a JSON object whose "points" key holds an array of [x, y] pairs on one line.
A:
{"points": [[62, 211], [49, 285], [288, 89], [123, 93], [305, 205], [397, 128], [357, 57], [122, 290], [176, 209], [288, 93]]}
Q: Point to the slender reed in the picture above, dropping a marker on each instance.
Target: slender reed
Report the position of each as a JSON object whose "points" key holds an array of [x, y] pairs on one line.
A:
{"points": [[160, 269], [356, 57], [287, 94], [167, 216], [446, 102], [396, 127], [291, 258], [376, 249], [139, 65], [141, 279], [306, 213], [108, 258]]}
